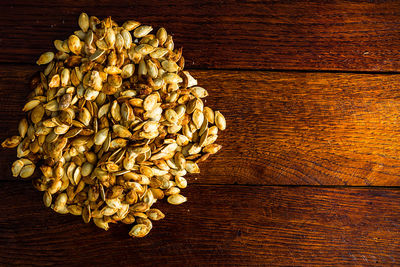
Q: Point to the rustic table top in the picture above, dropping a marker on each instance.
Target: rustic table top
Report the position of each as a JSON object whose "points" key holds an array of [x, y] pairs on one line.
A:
{"points": [[310, 165]]}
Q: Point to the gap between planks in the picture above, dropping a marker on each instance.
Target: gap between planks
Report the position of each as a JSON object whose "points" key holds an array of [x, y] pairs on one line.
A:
{"points": [[338, 71], [264, 186]]}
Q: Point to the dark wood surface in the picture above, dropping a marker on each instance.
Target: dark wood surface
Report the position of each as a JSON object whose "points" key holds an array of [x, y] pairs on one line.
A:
{"points": [[317, 35], [220, 225], [308, 124]]}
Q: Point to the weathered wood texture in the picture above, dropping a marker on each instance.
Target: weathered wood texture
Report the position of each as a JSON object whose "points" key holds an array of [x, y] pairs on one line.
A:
{"points": [[329, 35], [283, 128], [220, 225]]}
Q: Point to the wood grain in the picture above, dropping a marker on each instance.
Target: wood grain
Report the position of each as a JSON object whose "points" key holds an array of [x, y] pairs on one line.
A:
{"points": [[284, 128], [317, 35], [220, 225]]}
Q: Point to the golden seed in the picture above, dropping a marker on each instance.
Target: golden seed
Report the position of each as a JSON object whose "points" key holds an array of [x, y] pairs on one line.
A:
{"points": [[162, 35], [220, 121], [17, 167], [142, 31], [139, 230], [27, 171], [208, 114], [212, 148], [99, 222], [12, 141], [176, 199], [83, 22], [130, 25], [45, 58], [47, 199], [30, 105], [74, 44], [155, 214], [144, 49], [172, 78], [169, 66]]}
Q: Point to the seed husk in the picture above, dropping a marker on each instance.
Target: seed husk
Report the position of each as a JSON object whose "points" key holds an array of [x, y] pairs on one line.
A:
{"points": [[12, 141], [127, 71], [17, 167], [139, 230], [101, 136], [86, 214], [142, 31], [47, 199], [198, 118], [209, 114], [144, 49], [60, 204], [159, 52], [23, 127], [97, 54], [172, 78], [150, 102], [155, 214], [192, 167], [212, 148], [31, 105], [74, 44], [27, 171], [45, 58], [162, 35], [176, 199], [99, 222], [130, 25], [121, 131], [169, 66], [220, 121], [83, 22], [37, 114], [180, 182]]}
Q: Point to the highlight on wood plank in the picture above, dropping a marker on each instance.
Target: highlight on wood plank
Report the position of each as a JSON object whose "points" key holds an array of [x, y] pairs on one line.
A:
{"points": [[285, 128]]}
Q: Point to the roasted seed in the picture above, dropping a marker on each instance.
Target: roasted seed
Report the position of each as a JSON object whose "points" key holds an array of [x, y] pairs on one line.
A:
{"points": [[83, 22], [74, 44], [139, 230], [130, 25], [176, 199], [155, 214], [45, 58], [220, 121], [142, 31], [30, 105], [17, 167]]}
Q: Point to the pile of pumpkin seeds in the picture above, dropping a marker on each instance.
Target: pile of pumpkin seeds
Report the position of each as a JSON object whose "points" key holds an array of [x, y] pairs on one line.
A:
{"points": [[114, 124]]}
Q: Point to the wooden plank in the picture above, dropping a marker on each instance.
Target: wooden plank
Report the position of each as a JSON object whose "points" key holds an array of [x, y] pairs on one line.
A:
{"points": [[283, 128], [220, 225], [329, 35]]}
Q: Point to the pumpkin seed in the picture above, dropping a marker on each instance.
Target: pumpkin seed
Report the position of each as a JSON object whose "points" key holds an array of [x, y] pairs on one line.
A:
{"points": [[139, 230], [176, 199], [45, 58], [220, 121], [83, 22], [142, 31]]}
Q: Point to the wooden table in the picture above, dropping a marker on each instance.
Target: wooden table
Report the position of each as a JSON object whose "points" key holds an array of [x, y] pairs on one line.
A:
{"points": [[310, 166]]}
